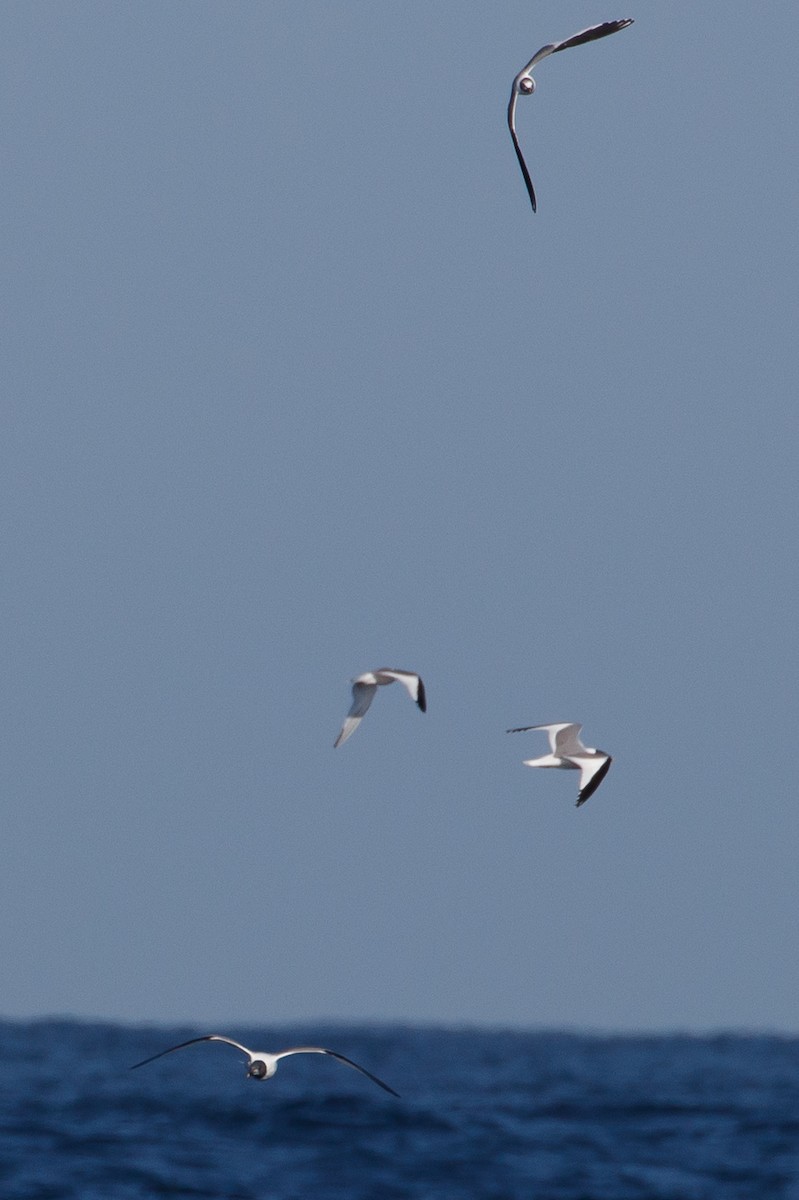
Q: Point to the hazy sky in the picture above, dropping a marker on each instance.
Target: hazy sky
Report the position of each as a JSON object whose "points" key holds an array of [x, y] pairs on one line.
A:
{"points": [[295, 385]]}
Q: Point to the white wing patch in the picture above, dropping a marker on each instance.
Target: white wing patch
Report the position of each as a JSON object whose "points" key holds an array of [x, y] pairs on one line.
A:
{"points": [[592, 771]]}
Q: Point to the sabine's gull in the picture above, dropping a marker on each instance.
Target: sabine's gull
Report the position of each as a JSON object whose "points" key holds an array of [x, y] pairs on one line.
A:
{"points": [[569, 753], [262, 1065], [524, 84], [363, 691]]}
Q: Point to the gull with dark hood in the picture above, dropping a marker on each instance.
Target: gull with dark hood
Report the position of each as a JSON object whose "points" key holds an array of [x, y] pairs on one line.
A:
{"points": [[568, 753], [263, 1065], [524, 84], [363, 693]]}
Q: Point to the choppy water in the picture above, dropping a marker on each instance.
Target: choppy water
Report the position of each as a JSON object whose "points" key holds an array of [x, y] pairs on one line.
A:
{"points": [[506, 1116]]}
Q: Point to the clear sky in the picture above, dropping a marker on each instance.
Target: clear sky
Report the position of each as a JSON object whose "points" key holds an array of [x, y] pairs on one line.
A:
{"points": [[295, 385]]}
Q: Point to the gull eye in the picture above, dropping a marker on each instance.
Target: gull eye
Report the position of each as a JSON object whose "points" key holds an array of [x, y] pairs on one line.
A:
{"points": [[257, 1069]]}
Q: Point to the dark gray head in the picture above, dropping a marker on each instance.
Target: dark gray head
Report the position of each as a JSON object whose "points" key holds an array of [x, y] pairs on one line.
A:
{"points": [[527, 85], [257, 1069]]}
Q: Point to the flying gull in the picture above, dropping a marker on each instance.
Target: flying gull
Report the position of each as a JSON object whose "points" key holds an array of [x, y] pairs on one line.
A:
{"points": [[262, 1065], [363, 691], [524, 84], [568, 753]]}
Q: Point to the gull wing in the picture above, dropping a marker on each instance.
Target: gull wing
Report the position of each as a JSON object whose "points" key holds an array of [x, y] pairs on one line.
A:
{"points": [[586, 35], [410, 681], [565, 740], [209, 1037], [577, 39], [592, 771], [561, 736], [512, 127], [362, 697], [340, 1057]]}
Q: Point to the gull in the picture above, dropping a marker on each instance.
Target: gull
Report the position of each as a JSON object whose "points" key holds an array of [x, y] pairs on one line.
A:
{"points": [[569, 753], [261, 1064], [524, 84], [363, 691]]}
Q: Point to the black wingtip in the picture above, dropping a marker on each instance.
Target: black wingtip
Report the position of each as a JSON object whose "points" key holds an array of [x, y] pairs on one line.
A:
{"points": [[144, 1061], [421, 700], [590, 788], [528, 183], [363, 1071]]}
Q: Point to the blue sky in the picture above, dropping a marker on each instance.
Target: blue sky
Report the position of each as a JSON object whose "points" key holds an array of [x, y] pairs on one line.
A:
{"points": [[296, 386]]}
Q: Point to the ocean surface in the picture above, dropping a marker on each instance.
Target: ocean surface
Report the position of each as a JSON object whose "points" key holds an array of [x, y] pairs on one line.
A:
{"points": [[483, 1114]]}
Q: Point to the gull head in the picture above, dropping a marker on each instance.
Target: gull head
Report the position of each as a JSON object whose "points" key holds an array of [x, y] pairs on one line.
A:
{"points": [[526, 85], [257, 1069]]}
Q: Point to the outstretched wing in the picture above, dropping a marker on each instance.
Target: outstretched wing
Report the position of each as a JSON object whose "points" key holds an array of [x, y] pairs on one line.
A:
{"points": [[347, 1062], [512, 127], [209, 1037], [561, 736], [565, 740], [592, 772], [410, 681], [585, 35], [362, 696], [577, 39]]}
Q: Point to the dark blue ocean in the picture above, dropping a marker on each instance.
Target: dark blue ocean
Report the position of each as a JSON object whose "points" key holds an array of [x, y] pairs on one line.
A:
{"points": [[500, 1115]]}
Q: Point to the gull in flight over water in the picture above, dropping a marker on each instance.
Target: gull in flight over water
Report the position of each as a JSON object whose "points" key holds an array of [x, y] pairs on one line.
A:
{"points": [[568, 753], [262, 1065], [363, 691], [524, 84]]}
